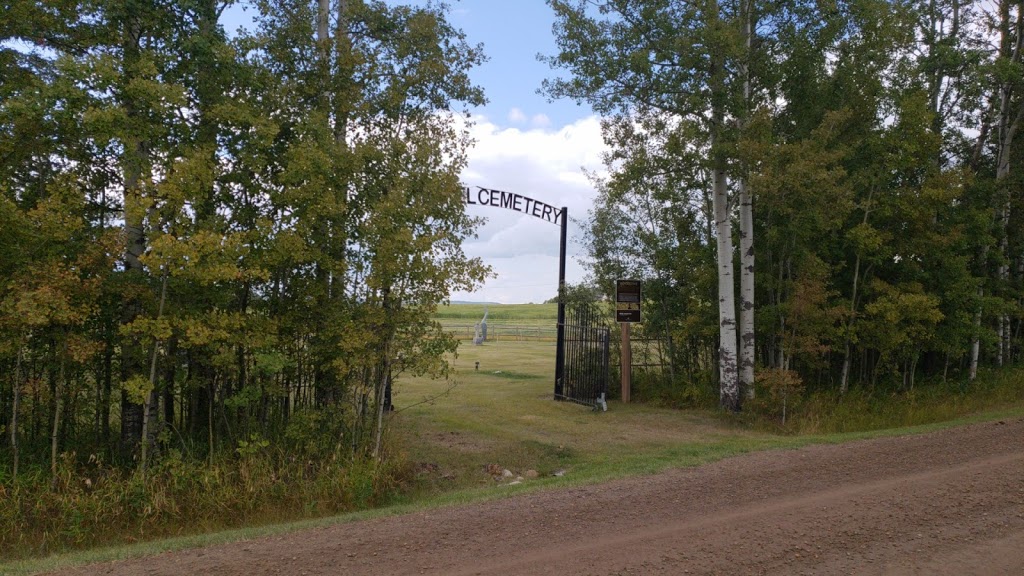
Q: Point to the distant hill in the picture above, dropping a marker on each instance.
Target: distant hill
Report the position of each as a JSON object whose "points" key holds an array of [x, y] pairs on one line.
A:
{"points": [[470, 302]]}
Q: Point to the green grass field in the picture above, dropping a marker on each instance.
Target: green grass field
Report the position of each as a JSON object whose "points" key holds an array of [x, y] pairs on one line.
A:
{"points": [[503, 414], [504, 313], [505, 322]]}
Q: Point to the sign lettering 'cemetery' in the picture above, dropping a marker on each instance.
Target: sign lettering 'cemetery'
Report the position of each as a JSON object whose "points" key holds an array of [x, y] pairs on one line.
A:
{"points": [[481, 196], [512, 201]]}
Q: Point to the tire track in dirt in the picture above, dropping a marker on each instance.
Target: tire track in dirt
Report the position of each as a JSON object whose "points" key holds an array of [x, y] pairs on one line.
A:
{"points": [[742, 522]]}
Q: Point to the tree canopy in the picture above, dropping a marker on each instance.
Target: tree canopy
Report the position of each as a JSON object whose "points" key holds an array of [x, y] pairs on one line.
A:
{"points": [[875, 143], [205, 236]]}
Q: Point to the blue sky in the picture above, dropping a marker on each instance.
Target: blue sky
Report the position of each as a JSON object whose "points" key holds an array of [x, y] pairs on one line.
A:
{"points": [[525, 144], [513, 33]]}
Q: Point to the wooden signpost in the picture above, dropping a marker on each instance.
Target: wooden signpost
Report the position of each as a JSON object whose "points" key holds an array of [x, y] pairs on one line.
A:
{"points": [[627, 311]]}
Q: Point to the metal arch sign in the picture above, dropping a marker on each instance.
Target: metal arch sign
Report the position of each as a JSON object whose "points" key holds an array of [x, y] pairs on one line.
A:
{"points": [[557, 216], [512, 201]]}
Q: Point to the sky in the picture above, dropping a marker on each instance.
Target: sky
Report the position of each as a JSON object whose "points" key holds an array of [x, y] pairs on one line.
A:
{"points": [[524, 144]]}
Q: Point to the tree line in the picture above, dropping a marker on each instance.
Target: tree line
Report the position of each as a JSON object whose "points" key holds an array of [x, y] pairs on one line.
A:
{"points": [[864, 151], [214, 240]]}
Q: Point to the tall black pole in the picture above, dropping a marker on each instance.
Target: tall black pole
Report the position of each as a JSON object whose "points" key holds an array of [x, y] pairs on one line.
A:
{"points": [[560, 346]]}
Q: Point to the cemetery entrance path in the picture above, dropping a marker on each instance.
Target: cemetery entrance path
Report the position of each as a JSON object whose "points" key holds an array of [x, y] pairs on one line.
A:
{"points": [[946, 502]]}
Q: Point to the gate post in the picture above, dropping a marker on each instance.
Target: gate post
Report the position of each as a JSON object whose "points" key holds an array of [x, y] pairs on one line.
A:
{"points": [[560, 338], [626, 363]]}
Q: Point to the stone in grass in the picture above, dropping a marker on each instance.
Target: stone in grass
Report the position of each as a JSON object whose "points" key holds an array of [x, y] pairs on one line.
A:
{"points": [[558, 473], [506, 473], [531, 474]]}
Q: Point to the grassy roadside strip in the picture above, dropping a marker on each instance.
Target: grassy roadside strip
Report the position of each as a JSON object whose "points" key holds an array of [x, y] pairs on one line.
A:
{"points": [[685, 455]]}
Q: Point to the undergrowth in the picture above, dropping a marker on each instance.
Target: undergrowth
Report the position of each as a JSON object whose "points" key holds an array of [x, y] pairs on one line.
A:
{"points": [[91, 504], [864, 409], [658, 389]]}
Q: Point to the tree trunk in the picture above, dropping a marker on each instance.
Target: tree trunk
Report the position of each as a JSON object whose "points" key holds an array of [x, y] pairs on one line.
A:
{"points": [[209, 419], [1015, 343], [134, 161], [746, 313], [972, 372], [382, 384], [14, 413], [108, 378], [168, 389], [55, 434], [152, 393], [323, 10], [383, 380], [1011, 39], [728, 377], [844, 379]]}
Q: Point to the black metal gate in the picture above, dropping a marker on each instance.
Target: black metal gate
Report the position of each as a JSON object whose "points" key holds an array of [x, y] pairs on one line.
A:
{"points": [[584, 377]]}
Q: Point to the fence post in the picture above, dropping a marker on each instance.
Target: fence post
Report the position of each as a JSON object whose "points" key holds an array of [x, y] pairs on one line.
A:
{"points": [[626, 360], [604, 368]]}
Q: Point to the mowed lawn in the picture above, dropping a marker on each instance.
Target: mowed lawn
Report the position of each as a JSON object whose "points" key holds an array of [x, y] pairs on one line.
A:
{"points": [[504, 321], [497, 412]]}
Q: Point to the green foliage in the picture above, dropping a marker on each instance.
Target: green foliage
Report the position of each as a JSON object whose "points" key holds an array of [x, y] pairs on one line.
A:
{"points": [[884, 407], [92, 503], [658, 389], [873, 140], [780, 392], [249, 236]]}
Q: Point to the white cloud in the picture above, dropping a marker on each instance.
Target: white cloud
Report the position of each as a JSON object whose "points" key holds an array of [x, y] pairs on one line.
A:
{"points": [[516, 116], [540, 121], [546, 165], [523, 280]]}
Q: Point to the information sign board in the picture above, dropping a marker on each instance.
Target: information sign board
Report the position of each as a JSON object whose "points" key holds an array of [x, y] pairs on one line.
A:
{"points": [[627, 301]]}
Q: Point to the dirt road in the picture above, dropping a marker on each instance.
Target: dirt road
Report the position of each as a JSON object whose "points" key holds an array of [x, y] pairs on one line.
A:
{"points": [[950, 502]]}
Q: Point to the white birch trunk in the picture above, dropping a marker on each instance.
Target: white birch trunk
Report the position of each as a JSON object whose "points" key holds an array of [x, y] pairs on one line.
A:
{"points": [[728, 357], [746, 313], [322, 14], [1008, 124], [728, 377]]}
